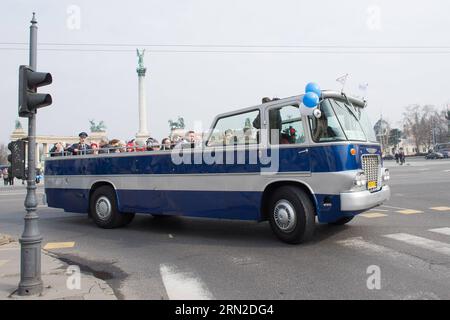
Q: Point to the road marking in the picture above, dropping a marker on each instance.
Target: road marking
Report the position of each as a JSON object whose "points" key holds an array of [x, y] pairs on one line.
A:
{"points": [[440, 208], [373, 215], [3, 262], [447, 170], [182, 286], [409, 211], [170, 236], [370, 249], [367, 247], [445, 230], [391, 207], [424, 243], [59, 245]]}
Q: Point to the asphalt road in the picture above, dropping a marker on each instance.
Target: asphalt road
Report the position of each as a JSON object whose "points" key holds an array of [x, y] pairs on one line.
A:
{"points": [[407, 240]]}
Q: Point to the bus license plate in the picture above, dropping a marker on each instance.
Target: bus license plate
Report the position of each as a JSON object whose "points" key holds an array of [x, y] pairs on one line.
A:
{"points": [[371, 184]]}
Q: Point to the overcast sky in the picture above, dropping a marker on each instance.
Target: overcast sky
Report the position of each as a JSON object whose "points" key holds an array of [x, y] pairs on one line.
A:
{"points": [[100, 82]]}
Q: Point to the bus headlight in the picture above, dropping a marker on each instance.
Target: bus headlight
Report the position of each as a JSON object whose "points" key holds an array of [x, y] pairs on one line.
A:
{"points": [[360, 180]]}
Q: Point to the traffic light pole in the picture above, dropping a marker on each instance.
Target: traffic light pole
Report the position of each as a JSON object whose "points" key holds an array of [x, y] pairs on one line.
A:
{"points": [[30, 241]]}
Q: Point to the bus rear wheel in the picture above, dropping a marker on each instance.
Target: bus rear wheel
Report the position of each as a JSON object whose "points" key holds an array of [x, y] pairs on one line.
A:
{"points": [[104, 211], [291, 215]]}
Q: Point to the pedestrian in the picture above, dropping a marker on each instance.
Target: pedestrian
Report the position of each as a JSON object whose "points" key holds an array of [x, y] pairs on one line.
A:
{"points": [[10, 176], [402, 156], [5, 176]]}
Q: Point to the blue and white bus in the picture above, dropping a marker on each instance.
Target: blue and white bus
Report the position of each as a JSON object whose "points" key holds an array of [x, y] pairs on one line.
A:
{"points": [[266, 162]]}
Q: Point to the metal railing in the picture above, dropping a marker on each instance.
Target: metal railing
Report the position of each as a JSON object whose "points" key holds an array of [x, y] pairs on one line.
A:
{"points": [[111, 150]]}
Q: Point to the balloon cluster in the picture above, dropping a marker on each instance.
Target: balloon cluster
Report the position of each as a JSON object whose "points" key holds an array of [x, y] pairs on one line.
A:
{"points": [[311, 98]]}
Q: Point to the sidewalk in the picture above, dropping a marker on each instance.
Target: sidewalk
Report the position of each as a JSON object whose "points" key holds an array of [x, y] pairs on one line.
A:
{"points": [[53, 275]]}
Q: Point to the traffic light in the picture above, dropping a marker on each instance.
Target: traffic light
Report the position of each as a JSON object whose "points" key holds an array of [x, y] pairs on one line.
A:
{"points": [[29, 81], [17, 159]]}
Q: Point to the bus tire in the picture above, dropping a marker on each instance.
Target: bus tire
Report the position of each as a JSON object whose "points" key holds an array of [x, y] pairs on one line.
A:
{"points": [[292, 215], [104, 211], [342, 221]]}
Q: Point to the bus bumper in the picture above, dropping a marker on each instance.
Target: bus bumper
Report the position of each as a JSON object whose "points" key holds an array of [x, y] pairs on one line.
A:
{"points": [[363, 200]]}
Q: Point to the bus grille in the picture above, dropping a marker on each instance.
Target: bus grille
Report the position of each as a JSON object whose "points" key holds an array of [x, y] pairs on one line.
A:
{"points": [[371, 166]]}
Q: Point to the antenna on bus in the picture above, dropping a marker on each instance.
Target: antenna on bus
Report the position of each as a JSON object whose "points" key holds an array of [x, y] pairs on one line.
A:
{"points": [[342, 80]]}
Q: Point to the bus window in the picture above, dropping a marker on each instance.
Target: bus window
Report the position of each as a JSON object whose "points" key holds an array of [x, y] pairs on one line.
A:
{"points": [[235, 130], [285, 124]]}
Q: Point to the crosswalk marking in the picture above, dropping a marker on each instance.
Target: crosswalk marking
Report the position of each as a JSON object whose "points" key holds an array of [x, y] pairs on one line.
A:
{"points": [[409, 211], [182, 286], [373, 215], [436, 246], [445, 230], [59, 245], [440, 208], [3, 262], [370, 248]]}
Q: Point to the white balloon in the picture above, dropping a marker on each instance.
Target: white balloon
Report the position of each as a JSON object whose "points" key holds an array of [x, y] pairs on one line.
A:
{"points": [[317, 113]]}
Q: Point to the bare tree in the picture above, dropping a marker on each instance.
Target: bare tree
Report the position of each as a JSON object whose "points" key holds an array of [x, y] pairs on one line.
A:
{"points": [[424, 124], [440, 127], [382, 129]]}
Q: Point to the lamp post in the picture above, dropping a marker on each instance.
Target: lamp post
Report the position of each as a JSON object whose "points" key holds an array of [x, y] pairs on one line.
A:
{"points": [[30, 241]]}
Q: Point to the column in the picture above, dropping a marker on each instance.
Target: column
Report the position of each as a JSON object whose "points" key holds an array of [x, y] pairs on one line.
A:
{"points": [[38, 155], [45, 149], [142, 134]]}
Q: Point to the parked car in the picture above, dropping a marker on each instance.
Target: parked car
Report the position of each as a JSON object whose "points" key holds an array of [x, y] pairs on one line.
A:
{"points": [[434, 155], [446, 153]]}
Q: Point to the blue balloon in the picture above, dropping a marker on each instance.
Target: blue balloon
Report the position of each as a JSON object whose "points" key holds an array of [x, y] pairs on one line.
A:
{"points": [[313, 87], [310, 99]]}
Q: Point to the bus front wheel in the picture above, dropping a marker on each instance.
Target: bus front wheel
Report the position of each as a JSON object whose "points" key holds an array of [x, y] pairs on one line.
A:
{"points": [[104, 211], [291, 215]]}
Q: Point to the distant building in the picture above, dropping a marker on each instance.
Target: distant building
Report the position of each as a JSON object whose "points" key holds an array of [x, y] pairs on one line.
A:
{"points": [[409, 147]]}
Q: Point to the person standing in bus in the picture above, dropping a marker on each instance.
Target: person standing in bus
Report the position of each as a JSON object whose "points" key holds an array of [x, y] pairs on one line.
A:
{"points": [[81, 147]]}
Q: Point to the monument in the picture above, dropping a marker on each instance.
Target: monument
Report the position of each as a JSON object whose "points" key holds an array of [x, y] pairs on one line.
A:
{"points": [[98, 131], [142, 134], [177, 129]]}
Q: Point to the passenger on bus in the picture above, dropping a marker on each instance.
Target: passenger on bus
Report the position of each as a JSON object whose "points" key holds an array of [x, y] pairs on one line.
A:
{"points": [[166, 144], [57, 150], [81, 147]]}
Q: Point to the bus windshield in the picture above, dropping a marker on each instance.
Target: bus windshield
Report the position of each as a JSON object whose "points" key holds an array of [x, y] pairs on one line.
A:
{"points": [[341, 121]]}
